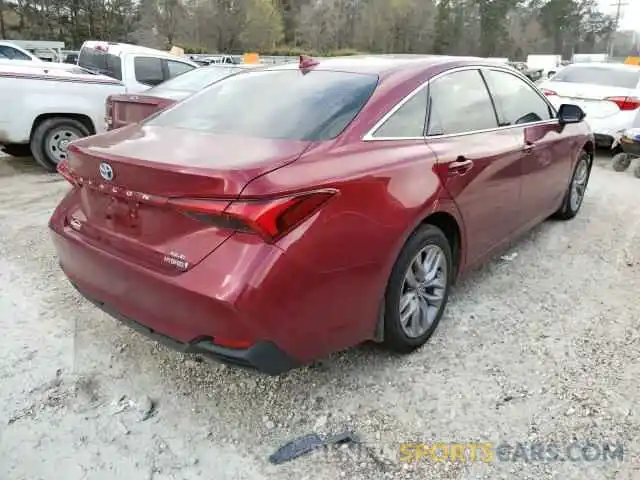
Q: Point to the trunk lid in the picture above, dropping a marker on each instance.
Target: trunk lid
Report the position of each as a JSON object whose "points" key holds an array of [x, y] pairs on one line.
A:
{"points": [[130, 108], [591, 98], [128, 213]]}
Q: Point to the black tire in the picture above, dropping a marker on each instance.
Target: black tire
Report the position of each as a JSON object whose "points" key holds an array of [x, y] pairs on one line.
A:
{"points": [[17, 150], [395, 338], [568, 211], [621, 162], [41, 134], [636, 171]]}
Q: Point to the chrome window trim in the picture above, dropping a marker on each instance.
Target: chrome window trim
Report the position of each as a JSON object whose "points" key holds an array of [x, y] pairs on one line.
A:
{"points": [[369, 136]]}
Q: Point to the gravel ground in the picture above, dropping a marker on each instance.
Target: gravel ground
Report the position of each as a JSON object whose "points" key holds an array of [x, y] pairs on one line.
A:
{"points": [[541, 345]]}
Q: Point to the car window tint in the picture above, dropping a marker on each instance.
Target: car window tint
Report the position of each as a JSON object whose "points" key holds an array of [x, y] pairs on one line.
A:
{"points": [[599, 75], [13, 53], [516, 101], [178, 68], [408, 120], [460, 102], [196, 79], [101, 62], [276, 104], [148, 70]]}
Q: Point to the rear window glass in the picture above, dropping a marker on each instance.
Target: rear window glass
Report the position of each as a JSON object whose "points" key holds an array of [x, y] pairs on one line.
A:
{"points": [[100, 62], [610, 77], [195, 80], [277, 104]]}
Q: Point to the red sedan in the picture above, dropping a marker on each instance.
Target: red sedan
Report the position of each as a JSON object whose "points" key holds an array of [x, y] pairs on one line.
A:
{"points": [[317, 205]]}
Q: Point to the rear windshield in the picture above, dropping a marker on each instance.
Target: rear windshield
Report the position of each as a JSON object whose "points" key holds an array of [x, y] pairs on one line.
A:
{"points": [[100, 62], [276, 104], [195, 79], [599, 75]]}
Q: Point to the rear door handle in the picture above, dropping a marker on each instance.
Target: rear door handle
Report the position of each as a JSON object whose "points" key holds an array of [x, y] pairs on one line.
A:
{"points": [[460, 166]]}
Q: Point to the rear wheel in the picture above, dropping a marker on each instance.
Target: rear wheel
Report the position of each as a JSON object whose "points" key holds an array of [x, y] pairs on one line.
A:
{"points": [[575, 193], [51, 138], [621, 162], [418, 290], [17, 150]]}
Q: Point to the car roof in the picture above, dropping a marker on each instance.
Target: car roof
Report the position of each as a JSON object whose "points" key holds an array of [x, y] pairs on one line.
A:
{"points": [[384, 65]]}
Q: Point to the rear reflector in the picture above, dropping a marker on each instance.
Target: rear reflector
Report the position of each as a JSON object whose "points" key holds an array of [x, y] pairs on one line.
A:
{"points": [[625, 103], [271, 219], [548, 93], [235, 344], [109, 113], [63, 169]]}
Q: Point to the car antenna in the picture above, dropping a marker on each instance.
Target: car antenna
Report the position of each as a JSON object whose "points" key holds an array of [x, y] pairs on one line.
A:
{"points": [[306, 63]]}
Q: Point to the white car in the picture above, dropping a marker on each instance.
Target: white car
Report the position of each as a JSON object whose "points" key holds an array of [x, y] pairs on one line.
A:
{"points": [[609, 94], [11, 51]]}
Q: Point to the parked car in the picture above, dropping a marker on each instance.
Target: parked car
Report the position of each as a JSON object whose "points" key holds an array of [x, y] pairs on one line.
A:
{"points": [[47, 105], [533, 74], [130, 108], [11, 51], [609, 94], [139, 68], [275, 217]]}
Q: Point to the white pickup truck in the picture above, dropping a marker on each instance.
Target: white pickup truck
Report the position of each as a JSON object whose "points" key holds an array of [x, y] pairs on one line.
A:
{"points": [[44, 106]]}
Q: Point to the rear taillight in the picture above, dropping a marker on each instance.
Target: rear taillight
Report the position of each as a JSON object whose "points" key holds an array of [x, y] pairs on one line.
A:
{"points": [[271, 219], [548, 93], [625, 103], [108, 118]]}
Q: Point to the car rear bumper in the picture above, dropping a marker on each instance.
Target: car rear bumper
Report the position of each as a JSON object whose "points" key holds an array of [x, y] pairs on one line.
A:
{"points": [[606, 130], [263, 356]]}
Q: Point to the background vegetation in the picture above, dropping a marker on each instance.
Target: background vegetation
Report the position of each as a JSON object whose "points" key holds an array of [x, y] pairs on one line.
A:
{"points": [[502, 28]]}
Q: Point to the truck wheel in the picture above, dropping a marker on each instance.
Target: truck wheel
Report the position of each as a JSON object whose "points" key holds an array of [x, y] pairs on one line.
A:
{"points": [[17, 150], [621, 162], [51, 138]]}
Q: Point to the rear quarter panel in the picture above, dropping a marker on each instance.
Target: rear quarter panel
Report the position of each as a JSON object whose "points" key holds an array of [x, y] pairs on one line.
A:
{"points": [[350, 245]]}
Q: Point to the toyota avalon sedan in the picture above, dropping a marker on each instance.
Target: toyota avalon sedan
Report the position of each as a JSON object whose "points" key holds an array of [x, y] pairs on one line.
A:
{"points": [[275, 217]]}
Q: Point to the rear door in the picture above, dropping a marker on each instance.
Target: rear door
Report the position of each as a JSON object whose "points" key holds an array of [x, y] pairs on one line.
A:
{"points": [[546, 155], [479, 163]]}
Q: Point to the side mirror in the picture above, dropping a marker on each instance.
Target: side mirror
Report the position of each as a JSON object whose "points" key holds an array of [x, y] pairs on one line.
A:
{"points": [[570, 114]]}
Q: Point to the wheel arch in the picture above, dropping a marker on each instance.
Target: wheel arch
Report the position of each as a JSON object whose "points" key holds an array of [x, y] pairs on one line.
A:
{"points": [[447, 218], [82, 118]]}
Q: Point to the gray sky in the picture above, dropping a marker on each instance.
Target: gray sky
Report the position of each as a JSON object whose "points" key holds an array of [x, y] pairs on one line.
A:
{"points": [[630, 19]]}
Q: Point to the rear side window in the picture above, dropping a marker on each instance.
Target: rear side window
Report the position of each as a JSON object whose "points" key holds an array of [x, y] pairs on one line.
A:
{"points": [[408, 121], [148, 70], [517, 103], [196, 79], [178, 68], [100, 61], [13, 53], [599, 75], [459, 103], [276, 104]]}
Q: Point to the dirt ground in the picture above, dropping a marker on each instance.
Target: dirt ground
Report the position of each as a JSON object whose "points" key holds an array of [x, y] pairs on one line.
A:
{"points": [[540, 345]]}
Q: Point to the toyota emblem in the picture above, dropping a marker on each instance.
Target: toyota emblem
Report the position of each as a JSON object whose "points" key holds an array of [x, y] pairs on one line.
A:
{"points": [[106, 171]]}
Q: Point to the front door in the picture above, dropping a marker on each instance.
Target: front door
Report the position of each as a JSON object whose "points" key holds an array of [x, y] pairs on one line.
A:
{"points": [[546, 158], [478, 162]]}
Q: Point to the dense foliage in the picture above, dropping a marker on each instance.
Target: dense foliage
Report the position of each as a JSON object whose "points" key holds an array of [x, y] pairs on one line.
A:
{"points": [[503, 28]]}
